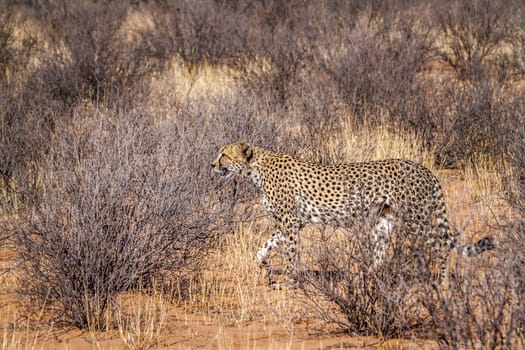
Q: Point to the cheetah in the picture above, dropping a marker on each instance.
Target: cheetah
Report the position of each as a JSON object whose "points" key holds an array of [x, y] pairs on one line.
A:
{"points": [[295, 193]]}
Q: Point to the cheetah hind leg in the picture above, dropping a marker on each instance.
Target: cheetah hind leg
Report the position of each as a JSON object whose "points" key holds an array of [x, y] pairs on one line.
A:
{"points": [[263, 253], [381, 234]]}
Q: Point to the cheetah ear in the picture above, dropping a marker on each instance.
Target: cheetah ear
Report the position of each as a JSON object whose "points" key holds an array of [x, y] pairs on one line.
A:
{"points": [[247, 151]]}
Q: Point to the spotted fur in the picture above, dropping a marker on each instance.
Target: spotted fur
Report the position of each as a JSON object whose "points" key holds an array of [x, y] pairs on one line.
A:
{"points": [[297, 192]]}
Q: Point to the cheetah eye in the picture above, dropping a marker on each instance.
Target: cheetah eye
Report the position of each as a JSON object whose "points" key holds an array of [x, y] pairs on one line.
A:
{"points": [[223, 158]]}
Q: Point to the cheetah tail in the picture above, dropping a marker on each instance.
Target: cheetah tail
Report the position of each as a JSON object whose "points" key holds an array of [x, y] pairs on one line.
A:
{"points": [[484, 244]]}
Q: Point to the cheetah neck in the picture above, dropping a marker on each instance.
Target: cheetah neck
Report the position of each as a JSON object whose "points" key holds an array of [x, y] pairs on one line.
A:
{"points": [[255, 170], [261, 164]]}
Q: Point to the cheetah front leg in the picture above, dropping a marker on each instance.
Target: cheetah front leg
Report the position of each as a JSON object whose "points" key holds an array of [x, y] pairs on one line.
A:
{"points": [[287, 234], [273, 242]]}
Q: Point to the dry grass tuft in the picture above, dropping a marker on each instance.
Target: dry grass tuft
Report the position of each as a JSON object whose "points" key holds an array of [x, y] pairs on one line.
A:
{"points": [[362, 143], [142, 318], [234, 289]]}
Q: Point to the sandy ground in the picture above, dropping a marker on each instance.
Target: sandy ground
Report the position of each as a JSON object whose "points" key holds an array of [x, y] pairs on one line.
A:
{"points": [[195, 333]]}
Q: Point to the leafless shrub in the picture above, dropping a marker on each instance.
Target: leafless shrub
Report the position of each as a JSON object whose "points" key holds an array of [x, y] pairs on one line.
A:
{"points": [[14, 57], [515, 226], [118, 210], [113, 198], [514, 142], [475, 32], [482, 306], [16, 151], [378, 299], [370, 55], [377, 71], [92, 58], [204, 31], [81, 56], [473, 119], [519, 42]]}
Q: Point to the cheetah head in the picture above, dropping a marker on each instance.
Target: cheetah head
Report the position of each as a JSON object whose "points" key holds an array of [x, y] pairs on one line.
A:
{"points": [[233, 158]]}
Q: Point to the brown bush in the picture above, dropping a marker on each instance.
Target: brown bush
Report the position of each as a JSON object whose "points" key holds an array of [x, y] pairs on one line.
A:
{"points": [[475, 33], [91, 58], [112, 216], [482, 305], [15, 142], [380, 302], [471, 120], [374, 300], [376, 72]]}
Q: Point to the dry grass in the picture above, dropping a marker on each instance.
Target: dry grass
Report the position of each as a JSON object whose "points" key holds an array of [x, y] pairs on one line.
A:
{"points": [[20, 331], [235, 289], [143, 321], [363, 143], [488, 178], [183, 84]]}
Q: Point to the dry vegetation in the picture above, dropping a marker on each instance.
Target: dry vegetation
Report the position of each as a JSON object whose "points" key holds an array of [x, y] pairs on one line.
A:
{"points": [[114, 233]]}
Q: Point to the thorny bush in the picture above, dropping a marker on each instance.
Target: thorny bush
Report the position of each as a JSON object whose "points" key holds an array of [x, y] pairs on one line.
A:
{"points": [[380, 299], [123, 205]]}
